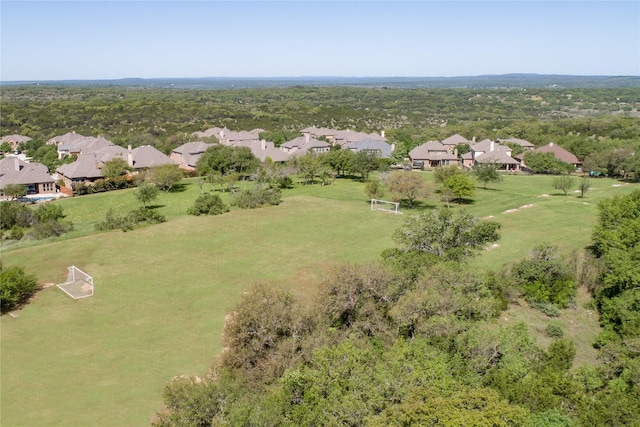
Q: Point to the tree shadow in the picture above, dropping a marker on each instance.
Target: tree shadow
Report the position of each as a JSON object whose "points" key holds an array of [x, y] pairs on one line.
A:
{"points": [[152, 207], [179, 188]]}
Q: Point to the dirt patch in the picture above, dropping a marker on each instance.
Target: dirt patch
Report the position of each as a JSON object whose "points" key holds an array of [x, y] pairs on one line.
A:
{"points": [[518, 209]]}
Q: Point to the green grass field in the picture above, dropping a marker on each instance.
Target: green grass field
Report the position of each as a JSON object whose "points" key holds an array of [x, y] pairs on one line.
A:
{"points": [[162, 292]]}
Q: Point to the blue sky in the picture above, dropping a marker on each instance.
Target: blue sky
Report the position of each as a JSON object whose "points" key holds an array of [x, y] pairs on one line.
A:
{"points": [[54, 40]]}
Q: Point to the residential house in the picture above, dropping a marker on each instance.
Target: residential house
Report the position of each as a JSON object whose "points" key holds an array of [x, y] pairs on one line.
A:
{"points": [[559, 153], [264, 150], [381, 148], [304, 144], [432, 154], [454, 140], [521, 142], [228, 137], [188, 154], [87, 167], [74, 144], [34, 176], [340, 137], [14, 140], [489, 151]]}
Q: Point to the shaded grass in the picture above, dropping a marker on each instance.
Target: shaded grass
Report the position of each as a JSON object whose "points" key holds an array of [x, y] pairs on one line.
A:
{"points": [[162, 292]]}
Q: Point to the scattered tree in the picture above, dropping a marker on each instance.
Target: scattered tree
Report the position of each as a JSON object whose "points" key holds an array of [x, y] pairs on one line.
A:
{"points": [[546, 163], [584, 186], [407, 185], [14, 191], [165, 177], [115, 167], [563, 183], [374, 189], [487, 172], [147, 193], [446, 235], [461, 186]]}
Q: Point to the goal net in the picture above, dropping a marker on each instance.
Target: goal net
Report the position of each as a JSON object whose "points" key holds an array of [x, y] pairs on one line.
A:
{"points": [[78, 284], [383, 205]]}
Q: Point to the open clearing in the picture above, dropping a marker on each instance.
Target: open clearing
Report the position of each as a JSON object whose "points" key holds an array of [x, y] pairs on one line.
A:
{"points": [[162, 292]]}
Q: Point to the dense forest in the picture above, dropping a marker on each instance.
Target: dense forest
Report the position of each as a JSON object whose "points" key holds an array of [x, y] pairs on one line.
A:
{"points": [[584, 121]]}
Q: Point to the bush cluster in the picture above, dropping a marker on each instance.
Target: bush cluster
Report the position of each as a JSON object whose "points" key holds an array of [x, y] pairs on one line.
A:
{"points": [[130, 220], [256, 197], [16, 287], [102, 185], [208, 204]]}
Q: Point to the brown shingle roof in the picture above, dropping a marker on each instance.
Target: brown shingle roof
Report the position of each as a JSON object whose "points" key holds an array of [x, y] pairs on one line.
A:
{"points": [[559, 152]]}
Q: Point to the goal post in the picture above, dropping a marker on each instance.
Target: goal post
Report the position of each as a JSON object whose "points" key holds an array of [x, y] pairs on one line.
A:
{"points": [[78, 284], [386, 206]]}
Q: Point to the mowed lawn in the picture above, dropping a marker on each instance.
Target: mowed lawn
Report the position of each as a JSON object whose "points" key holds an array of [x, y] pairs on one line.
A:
{"points": [[162, 292]]}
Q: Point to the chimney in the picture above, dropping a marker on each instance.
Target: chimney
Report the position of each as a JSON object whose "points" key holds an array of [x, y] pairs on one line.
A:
{"points": [[492, 146], [473, 140], [306, 137], [129, 156], [263, 144], [96, 163], [382, 134], [551, 144], [393, 146]]}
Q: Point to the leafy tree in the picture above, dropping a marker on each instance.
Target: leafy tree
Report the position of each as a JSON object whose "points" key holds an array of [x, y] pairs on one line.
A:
{"points": [[461, 186], [546, 163], [364, 162], [338, 160], [308, 167], [486, 172], [407, 185], [165, 177], [446, 235], [442, 173], [545, 277], [225, 159], [610, 162], [115, 167], [15, 214], [584, 186], [208, 204], [16, 287], [14, 191], [147, 193], [5, 147], [374, 189], [256, 197], [563, 183]]}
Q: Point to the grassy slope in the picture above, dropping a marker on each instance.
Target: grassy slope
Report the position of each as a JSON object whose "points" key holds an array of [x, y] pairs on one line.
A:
{"points": [[162, 292]]}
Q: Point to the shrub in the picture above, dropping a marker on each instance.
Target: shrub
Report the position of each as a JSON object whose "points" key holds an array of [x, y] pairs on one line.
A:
{"points": [[256, 197], [554, 330], [208, 204], [130, 220], [16, 287]]}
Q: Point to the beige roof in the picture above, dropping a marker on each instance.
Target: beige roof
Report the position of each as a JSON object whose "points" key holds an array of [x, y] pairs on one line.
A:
{"points": [[427, 150], [455, 140], [498, 157], [147, 156], [16, 171], [518, 141], [559, 152]]}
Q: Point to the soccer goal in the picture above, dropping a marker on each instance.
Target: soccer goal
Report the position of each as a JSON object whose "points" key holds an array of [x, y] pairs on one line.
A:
{"points": [[384, 205], [78, 285]]}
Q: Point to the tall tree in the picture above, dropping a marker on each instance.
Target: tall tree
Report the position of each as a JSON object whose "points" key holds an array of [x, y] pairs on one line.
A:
{"points": [[461, 186], [147, 193], [486, 173], [446, 235], [407, 185]]}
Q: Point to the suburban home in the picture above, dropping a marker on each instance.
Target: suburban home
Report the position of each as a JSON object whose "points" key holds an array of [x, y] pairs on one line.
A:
{"points": [[34, 176], [489, 151], [560, 154], [432, 154], [14, 141], [381, 148], [264, 150], [228, 137], [188, 154], [455, 140], [517, 141], [340, 137], [74, 144], [86, 168], [304, 144]]}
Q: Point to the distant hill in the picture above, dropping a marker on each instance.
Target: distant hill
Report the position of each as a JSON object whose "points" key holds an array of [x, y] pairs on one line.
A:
{"points": [[485, 81]]}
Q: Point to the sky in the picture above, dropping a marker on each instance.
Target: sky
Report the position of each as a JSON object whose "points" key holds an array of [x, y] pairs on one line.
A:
{"points": [[68, 40]]}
